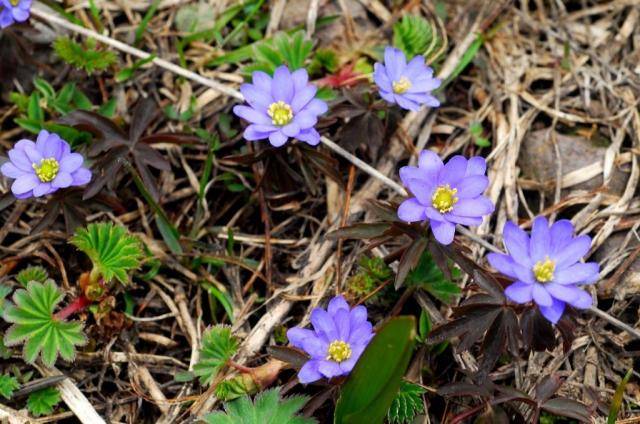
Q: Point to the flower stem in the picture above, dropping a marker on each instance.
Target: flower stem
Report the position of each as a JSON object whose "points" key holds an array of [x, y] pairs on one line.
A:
{"points": [[79, 304]]}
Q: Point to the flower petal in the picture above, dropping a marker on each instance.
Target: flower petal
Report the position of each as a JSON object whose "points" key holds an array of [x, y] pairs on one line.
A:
{"points": [[411, 211], [19, 157], [282, 85], [24, 184], [381, 78], [395, 62], [406, 103], [357, 316], [62, 180], [262, 81], [570, 294], [541, 296], [309, 136], [580, 273], [323, 324], [453, 171], [330, 369], [430, 162], [253, 133], [361, 334], [42, 189], [303, 97], [81, 177], [71, 162], [277, 138], [463, 220], [297, 335], [300, 79], [443, 231], [517, 243], [309, 372], [520, 292], [480, 206], [422, 190], [256, 97], [252, 115], [561, 233], [476, 165], [472, 186], [540, 244], [553, 313], [503, 263], [316, 347], [9, 170], [336, 304], [573, 252], [341, 320]]}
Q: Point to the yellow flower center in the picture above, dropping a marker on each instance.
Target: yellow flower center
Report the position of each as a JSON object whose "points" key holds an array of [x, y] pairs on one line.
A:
{"points": [[280, 113], [14, 2], [444, 198], [401, 86], [47, 170], [543, 270], [338, 351]]}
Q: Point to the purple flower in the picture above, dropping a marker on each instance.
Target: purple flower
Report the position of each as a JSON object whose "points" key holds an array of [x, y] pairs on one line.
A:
{"points": [[338, 339], [408, 85], [546, 266], [43, 167], [445, 194], [12, 11], [281, 107]]}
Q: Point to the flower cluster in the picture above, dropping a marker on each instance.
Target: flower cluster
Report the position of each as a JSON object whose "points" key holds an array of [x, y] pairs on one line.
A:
{"points": [[12, 11], [445, 194], [338, 338], [546, 267], [43, 167]]}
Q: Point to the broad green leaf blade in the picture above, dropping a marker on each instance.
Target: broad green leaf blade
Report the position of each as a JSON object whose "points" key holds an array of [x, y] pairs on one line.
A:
{"points": [[375, 379]]}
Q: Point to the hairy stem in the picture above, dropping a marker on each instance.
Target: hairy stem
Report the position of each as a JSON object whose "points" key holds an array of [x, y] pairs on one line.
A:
{"points": [[79, 304]]}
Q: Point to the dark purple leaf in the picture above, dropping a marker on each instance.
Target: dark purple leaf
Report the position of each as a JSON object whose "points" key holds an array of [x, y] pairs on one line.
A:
{"points": [[493, 345], [463, 389], [382, 210], [147, 178], [410, 259], [478, 326], [475, 322], [547, 387], [172, 138], [360, 231], [567, 328], [109, 134], [488, 283], [290, 355], [568, 408], [144, 112], [537, 332], [149, 156]]}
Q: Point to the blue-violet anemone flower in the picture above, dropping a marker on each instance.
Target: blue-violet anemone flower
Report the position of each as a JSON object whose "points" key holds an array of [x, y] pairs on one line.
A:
{"points": [[546, 266], [43, 167], [12, 11], [407, 84], [281, 107], [445, 194], [338, 338]]}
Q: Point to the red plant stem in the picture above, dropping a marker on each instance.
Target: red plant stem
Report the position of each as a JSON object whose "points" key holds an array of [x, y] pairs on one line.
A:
{"points": [[80, 303]]}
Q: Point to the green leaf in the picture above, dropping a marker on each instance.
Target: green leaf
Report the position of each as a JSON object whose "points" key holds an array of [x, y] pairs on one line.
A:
{"points": [[87, 58], [218, 346], [616, 402], [4, 291], [8, 385], [374, 381], [283, 49], [127, 73], [32, 273], [429, 277], [413, 35], [142, 27], [112, 250], [42, 402], [407, 404], [35, 325], [267, 408]]}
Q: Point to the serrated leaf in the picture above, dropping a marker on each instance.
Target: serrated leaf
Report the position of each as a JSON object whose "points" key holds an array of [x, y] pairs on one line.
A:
{"points": [[375, 379], [112, 250], [8, 385], [4, 291], [87, 58], [42, 402], [267, 408], [35, 325], [413, 35], [407, 403], [218, 346], [32, 273]]}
